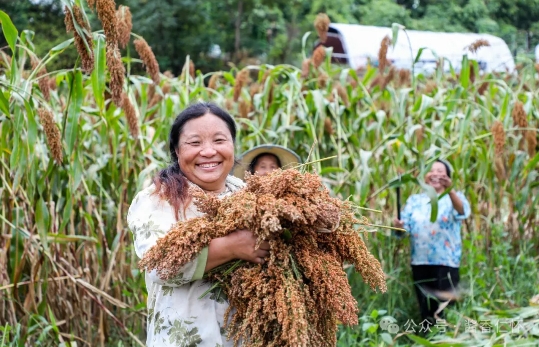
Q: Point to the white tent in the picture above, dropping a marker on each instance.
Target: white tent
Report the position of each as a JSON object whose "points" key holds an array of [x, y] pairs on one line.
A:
{"points": [[359, 44]]}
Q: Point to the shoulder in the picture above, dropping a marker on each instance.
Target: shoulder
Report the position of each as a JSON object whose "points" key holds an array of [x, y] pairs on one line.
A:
{"points": [[416, 197], [146, 199], [234, 183]]}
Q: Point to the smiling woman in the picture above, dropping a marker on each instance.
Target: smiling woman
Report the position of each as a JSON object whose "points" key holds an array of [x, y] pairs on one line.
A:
{"points": [[201, 145]]}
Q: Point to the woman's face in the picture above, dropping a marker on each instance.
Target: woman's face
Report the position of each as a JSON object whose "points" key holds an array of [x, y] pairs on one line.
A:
{"points": [[437, 170], [206, 152], [266, 164]]}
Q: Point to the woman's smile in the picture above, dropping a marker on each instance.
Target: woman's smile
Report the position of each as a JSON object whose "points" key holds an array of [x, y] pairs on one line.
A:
{"points": [[208, 165]]}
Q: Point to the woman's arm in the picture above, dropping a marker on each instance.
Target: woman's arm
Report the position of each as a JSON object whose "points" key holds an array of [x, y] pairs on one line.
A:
{"points": [[457, 203], [239, 244]]}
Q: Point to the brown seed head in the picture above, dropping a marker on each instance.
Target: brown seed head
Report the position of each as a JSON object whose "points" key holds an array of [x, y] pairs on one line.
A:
{"points": [[520, 120], [212, 84], [382, 54], [106, 11], [430, 87], [323, 79], [483, 88], [148, 58], [531, 141], [305, 67], [116, 71], [188, 69], [519, 115], [404, 78], [478, 44], [319, 55], [328, 126], [254, 89], [498, 134], [52, 83], [91, 4], [43, 80], [130, 115], [52, 134], [321, 24], [84, 43], [420, 134], [125, 25], [390, 76], [241, 79], [244, 109], [343, 94]]}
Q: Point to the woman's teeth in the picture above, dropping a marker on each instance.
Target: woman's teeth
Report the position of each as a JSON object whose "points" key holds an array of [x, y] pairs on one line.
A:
{"points": [[207, 166]]}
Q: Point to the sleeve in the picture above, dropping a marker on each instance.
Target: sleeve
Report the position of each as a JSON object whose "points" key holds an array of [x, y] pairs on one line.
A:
{"points": [[406, 215], [146, 220], [465, 206]]}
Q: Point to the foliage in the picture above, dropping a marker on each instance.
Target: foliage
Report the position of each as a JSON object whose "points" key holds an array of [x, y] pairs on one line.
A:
{"points": [[270, 31], [63, 225]]}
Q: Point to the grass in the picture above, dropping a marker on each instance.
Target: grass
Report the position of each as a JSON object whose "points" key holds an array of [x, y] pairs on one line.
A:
{"points": [[67, 267]]}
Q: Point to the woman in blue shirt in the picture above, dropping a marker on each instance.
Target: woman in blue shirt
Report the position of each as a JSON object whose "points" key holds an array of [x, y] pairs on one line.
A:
{"points": [[436, 247]]}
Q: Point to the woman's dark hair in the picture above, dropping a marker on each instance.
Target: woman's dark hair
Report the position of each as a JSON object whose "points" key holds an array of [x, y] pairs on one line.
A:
{"points": [[255, 161], [447, 169], [170, 183]]}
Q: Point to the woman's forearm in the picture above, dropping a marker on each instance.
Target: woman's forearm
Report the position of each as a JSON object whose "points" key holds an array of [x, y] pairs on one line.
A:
{"points": [[457, 203], [218, 253]]}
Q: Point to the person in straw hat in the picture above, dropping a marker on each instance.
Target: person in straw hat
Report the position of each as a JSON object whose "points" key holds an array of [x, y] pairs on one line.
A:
{"points": [[263, 159]]}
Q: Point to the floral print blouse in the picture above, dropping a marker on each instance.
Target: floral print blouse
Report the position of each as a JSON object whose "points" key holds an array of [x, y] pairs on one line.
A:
{"points": [[437, 243], [176, 315]]}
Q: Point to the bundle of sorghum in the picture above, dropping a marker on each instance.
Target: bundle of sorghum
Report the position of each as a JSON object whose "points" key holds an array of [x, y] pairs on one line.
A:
{"points": [[297, 297]]}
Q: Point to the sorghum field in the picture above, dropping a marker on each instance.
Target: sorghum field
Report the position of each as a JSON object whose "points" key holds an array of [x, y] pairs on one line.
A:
{"points": [[77, 144]]}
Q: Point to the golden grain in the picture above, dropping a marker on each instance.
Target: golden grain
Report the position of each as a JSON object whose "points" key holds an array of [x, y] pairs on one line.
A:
{"points": [[241, 79], [42, 79], [106, 12], [319, 55], [148, 58], [321, 24], [382, 54], [116, 71], [474, 47], [83, 44], [52, 134], [130, 115], [125, 25]]}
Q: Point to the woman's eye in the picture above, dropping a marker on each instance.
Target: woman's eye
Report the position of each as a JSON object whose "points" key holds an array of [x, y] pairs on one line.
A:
{"points": [[194, 143], [220, 140]]}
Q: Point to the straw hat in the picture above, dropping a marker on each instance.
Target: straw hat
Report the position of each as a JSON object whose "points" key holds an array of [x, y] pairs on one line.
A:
{"points": [[287, 158]]}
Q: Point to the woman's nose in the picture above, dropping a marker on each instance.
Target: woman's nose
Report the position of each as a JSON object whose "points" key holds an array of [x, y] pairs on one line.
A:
{"points": [[207, 150]]}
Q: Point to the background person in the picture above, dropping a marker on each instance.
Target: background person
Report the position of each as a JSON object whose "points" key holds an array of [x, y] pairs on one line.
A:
{"points": [[264, 159], [201, 144], [436, 247]]}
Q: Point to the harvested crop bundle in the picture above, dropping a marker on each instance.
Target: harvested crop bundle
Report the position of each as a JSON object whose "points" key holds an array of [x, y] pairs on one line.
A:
{"points": [[299, 294]]}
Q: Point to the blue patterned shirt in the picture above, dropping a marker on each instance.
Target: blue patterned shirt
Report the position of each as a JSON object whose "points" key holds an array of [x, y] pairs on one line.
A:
{"points": [[437, 243]]}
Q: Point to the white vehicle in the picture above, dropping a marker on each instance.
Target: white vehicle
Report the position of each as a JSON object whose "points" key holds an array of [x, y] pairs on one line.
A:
{"points": [[357, 45]]}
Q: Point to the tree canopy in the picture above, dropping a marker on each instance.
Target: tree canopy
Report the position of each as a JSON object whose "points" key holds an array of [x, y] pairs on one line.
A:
{"points": [[216, 33]]}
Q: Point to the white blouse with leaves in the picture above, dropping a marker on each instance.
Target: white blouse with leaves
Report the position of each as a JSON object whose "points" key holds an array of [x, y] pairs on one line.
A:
{"points": [[176, 315]]}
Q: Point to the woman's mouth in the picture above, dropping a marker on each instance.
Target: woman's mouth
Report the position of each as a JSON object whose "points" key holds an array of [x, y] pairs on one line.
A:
{"points": [[207, 166]]}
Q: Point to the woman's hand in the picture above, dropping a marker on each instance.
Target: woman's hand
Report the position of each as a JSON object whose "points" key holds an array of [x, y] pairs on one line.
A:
{"points": [[242, 246], [239, 244], [398, 223], [446, 182]]}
